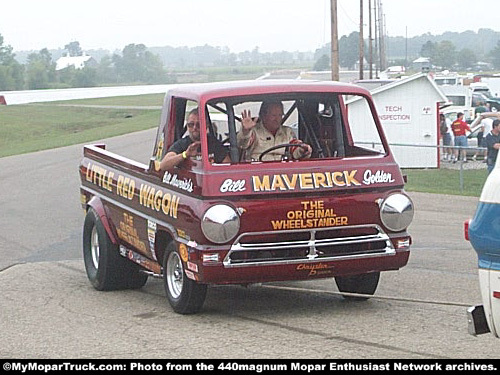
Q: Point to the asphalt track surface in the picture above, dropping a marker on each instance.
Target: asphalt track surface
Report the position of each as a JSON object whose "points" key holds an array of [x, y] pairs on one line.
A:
{"points": [[49, 309]]}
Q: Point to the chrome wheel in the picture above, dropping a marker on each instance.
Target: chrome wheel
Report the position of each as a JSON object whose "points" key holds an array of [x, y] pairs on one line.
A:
{"points": [[94, 247], [186, 296], [174, 275]]}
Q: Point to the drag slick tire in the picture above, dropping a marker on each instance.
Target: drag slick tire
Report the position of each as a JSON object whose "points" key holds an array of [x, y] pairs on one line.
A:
{"points": [[363, 284], [184, 295], [106, 268]]}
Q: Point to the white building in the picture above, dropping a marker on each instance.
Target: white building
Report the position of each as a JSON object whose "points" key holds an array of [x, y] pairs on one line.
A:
{"points": [[409, 112], [78, 62], [422, 64]]}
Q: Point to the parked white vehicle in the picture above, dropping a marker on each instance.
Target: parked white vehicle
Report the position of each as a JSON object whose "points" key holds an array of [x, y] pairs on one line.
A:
{"points": [[460, 98], [483, 232]]}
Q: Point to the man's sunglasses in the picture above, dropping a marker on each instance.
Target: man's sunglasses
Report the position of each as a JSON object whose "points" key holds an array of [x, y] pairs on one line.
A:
{"points": [[192, 124]]}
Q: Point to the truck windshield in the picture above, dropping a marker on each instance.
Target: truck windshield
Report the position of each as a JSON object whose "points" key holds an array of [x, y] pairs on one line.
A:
{"points": [[313, 125]]}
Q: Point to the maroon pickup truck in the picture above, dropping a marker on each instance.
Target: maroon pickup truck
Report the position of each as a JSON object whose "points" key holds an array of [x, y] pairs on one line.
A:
{"points": [[321, 197]]}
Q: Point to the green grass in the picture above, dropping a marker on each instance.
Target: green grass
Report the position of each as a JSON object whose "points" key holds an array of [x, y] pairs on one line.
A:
{"points": [[28, 128], [446, 181]]}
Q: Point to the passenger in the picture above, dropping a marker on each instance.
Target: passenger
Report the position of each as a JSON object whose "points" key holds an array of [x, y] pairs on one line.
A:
{"points": [[259, 134], [189, 145], [492, 141]]}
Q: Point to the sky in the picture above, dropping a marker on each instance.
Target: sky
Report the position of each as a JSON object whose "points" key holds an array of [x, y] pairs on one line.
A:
{"points": [[270, 25]]}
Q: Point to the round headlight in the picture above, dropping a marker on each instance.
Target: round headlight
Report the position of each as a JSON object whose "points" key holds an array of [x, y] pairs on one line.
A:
{"points": [[396, 212], [220, 223]]}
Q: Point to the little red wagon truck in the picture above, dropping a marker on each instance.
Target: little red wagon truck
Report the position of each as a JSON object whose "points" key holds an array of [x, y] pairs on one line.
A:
{"points": [[339, 212]]}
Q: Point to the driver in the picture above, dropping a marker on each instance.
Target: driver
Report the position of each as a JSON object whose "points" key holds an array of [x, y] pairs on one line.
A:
{"points": [[259, 134]]}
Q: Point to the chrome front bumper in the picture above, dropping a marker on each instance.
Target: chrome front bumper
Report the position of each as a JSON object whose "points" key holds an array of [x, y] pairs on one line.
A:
{"points": [[328, 244]]}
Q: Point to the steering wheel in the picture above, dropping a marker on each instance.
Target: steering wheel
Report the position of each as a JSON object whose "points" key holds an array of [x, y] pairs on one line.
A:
{"points": [[287, 153]]}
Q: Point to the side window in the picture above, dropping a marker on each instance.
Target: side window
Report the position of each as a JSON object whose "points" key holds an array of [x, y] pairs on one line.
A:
{"points": [[176, 127], [178, 119], [330, 129], [190, 135], [364, 132], [218, 121]]}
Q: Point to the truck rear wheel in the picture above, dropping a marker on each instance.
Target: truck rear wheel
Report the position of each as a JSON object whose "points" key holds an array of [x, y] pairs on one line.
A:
{"points": [[364, 284], [186, 296], [106, 268]]}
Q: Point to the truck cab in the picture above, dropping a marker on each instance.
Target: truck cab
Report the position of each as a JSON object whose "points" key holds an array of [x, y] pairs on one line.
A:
{"points": [[340, 212]]}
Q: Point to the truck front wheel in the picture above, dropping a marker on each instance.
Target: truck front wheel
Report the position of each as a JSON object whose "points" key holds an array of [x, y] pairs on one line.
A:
{"points": [[186, 296], [106, 268], [363, 284]]}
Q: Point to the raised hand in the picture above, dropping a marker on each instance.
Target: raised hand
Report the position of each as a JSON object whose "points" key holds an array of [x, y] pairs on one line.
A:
{"points": [[247, 122]]}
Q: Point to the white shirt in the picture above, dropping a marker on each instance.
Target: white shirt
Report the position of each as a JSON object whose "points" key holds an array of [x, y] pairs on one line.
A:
{"points": [[448, 124], [488, 125], [260, 139]]}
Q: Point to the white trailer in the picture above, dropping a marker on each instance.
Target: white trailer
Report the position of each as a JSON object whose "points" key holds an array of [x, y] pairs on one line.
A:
{"points": [[409, 112]]}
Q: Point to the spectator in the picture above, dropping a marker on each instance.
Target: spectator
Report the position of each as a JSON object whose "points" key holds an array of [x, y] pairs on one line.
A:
{"points": [[446, 132], [481, 108], [480, 141], [485, 119], [492, 140], [460, 127]]}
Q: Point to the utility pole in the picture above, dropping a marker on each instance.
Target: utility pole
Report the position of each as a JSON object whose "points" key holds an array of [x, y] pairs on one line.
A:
{"points": [[361, 40], [381, 35], [370, 46], [375, 28], [335, 41], [406, 49]]}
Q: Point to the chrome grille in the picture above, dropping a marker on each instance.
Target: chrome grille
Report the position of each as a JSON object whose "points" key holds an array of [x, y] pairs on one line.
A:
{"points": [[298, 246]]}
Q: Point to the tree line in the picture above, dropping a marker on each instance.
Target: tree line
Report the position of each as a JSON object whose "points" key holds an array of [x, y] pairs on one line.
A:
{"points": [[458, 51], [135, 64], [444, 54], [138, 64]]}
